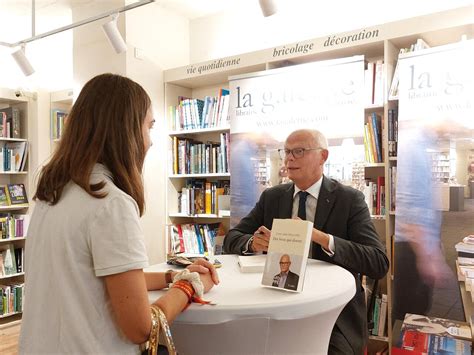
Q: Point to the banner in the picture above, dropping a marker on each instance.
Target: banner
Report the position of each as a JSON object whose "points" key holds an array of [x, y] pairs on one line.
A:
{"points": [[266, 107], [435, 138]]}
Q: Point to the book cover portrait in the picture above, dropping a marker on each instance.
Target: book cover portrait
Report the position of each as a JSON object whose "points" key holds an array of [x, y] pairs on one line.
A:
{"points": [[287, 254]]}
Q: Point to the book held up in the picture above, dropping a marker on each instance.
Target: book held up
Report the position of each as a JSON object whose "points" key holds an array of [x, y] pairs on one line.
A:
{"points": [[287, 255]]}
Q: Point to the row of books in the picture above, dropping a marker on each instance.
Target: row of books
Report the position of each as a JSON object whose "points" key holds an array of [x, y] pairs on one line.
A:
{"points": [[11, 298], [430, 335], [379, 316], [393, 187], [392, 132], [201, 196], [11, 260], [465, 263], [13, 226], [374, 83], [195, 157], [373, 138], [13, 156], [58, 118], [10, 126], [13, 194], [200, 114], [374, 193], [193, 239]]}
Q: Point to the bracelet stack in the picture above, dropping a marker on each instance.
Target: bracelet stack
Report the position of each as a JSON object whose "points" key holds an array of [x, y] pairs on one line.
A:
{"points": [[186, 287]]}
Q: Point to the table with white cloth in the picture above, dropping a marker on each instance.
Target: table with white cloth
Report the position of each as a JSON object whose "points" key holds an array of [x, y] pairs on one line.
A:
{"points": [[251, 319]]}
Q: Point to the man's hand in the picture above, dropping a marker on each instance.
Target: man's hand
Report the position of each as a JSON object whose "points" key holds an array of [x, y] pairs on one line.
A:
{"points": [[261, 238]]}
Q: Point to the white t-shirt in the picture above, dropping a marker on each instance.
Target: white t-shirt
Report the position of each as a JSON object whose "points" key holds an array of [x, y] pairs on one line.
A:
{"points": [[69, 247]]}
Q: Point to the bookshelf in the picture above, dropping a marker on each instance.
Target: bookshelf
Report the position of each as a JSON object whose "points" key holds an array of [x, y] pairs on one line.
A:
{"points": [[13, 237], [199, 79], [60, 105], [198, 168]]}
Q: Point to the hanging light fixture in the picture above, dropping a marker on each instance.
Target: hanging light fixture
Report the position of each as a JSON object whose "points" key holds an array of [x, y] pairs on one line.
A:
{"points": [[113, 34], [269, 7], [22, 61]]}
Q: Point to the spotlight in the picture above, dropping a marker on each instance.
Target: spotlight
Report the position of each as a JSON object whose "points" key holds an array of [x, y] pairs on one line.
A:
{"points": [[114, 36], [22, 61], [269, 7]]}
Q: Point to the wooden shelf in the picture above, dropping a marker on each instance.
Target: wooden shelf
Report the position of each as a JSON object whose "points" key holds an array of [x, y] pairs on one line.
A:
{"points": [[4, 277], [12, 240], [14, 207], [9, 314], [13, 172], [204, 216], [13, 139], [198, 131], [374, 165], [184, 176], [376, 337]]}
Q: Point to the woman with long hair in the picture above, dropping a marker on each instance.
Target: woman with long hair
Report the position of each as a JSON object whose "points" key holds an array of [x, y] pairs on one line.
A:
{"points": [[85, 289]]}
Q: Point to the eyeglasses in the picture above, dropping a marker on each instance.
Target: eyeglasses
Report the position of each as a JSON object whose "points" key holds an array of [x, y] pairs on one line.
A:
{"points": [[285, 262], [296, 152]]}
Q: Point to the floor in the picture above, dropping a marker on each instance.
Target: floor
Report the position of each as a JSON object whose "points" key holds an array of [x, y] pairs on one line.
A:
{"points": [[9, 340], [456, 225]]}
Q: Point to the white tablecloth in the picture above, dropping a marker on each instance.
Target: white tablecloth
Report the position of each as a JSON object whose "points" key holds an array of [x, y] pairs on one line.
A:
{"points": [[251, 319]]}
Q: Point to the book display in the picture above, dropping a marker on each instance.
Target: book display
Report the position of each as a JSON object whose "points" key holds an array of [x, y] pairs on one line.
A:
{"points": [[60, 105], [190, 122], [15, 181]]}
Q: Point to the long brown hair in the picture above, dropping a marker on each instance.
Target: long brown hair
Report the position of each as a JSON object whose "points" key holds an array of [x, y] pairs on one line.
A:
{"points": [[104, 126]]}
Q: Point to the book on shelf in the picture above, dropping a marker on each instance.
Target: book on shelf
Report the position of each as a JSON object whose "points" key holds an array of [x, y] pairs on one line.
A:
{"points": [[287, 255], [17, 194], [252, 263], [195, 157], [10, 126], [4, 197], [58, 118], [200, 196], [420, 44], [11, 298], [373, 138], [14, 156], [193, 239], [13, 226], [205, 113]]}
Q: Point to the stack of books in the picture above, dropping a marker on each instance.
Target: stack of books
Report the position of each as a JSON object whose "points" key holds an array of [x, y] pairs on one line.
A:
{"points": [[430, 335]]}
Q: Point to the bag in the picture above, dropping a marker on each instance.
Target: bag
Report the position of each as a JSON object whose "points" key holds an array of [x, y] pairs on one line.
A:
{"points": [[160, 330]]}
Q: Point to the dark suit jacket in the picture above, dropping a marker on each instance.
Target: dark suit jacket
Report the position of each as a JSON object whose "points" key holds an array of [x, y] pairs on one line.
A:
{"points": [[291, 282], [342, 212]]}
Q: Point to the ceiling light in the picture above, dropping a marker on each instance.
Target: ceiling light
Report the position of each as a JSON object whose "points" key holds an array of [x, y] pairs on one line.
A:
{"points": [[269, 7], [22, 61], [113, 34]]}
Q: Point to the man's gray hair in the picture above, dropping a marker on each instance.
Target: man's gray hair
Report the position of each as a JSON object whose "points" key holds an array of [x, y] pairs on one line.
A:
{"points": [[320, 140]]}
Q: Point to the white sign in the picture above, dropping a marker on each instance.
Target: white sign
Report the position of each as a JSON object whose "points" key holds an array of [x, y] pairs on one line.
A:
{"points": [[327, 96], [437, 84]]}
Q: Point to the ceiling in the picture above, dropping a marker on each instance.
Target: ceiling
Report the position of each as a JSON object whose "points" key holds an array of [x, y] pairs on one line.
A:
{"points": [[187, 8]]}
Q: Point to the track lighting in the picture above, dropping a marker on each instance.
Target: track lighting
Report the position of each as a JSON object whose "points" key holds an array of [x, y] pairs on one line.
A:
{"points": [[22, 61], [113, 34], [269, 7]]}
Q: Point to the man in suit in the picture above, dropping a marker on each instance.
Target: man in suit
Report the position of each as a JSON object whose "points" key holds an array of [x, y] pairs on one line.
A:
{"points": [[343, 232], [285, 278]]}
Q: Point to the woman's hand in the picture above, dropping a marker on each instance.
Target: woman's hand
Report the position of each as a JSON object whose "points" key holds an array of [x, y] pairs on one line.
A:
{"points": [[206, 271]]}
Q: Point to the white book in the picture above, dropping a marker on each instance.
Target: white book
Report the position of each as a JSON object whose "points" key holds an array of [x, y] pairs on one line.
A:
{"points": [[252, 263], [287, 255], [382, 316]]}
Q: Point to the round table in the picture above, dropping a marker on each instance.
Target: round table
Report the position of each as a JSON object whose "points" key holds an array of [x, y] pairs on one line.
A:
{"points": [[252, 319]]}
